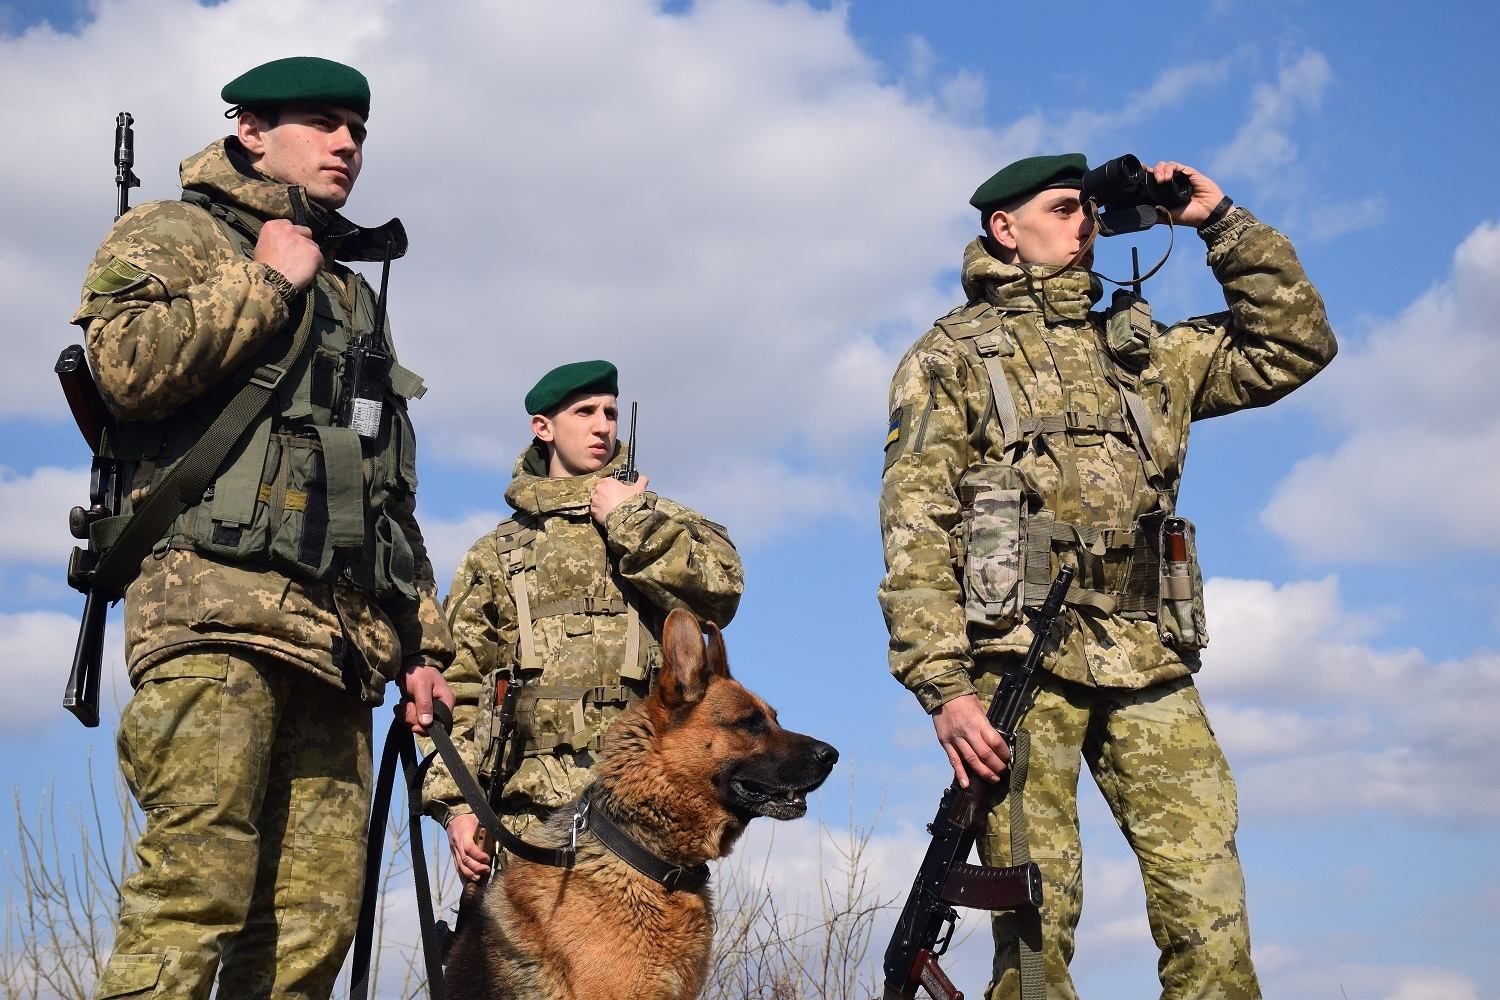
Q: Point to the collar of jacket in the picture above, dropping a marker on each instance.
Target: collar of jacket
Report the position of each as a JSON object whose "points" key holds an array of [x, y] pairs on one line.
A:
{"points": [[223, 173], [532, 491], [1016, 288]]}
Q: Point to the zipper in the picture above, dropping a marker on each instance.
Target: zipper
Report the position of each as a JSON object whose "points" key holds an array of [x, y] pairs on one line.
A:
{"points": [[930, 367]]}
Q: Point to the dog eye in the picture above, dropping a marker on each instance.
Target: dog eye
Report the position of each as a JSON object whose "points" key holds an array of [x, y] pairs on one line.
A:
{"points": [[755, 722]]}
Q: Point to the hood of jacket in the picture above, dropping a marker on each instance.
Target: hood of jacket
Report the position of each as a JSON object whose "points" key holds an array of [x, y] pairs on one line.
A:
{"points": [[532, 491], [1022, 288], [223, 173]]}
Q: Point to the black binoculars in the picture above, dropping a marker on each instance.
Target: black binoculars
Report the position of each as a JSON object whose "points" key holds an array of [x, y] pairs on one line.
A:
{"points": [[1128, 195]]}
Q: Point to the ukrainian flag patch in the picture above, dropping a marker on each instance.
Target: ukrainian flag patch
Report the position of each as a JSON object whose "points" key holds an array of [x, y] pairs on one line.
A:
{"points": [[893, 433]]}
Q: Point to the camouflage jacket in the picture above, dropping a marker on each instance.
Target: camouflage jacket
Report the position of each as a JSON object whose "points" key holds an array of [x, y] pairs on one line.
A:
{"points": [[579, 582], [172, 309], [1079, 451]]}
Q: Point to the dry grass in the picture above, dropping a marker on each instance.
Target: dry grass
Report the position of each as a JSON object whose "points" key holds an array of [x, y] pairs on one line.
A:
{"points": [[61, 905]]}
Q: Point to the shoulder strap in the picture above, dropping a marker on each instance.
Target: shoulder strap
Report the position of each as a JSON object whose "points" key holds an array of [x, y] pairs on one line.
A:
{"points": [[988, 341], [513, 541], [128, 538]]}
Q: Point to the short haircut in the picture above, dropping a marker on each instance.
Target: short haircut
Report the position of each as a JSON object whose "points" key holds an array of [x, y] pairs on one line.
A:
{"points": [[269, 114]]}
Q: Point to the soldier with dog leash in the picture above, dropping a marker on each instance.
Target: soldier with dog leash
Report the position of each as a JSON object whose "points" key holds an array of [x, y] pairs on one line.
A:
{"points": [[273, 572], [557, 613], [1029, 432]]}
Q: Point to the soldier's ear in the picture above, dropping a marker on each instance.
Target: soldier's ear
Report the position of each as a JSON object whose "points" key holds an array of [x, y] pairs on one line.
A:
{"points": [[1002, 229], [251, 132], [541, 428]]}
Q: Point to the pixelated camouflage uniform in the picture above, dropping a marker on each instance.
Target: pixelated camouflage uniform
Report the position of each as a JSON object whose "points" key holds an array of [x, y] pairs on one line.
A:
{"points": [[1095, 489], [590, 653], [255, 655]]}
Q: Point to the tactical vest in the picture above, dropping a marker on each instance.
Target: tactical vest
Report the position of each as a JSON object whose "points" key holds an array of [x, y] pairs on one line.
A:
{"points": [[552, 719], [297, 492], [1013, 539]]}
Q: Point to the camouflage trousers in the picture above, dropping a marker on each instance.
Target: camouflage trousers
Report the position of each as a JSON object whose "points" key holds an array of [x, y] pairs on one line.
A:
{"points": [[254, 778], [1156, 760]]}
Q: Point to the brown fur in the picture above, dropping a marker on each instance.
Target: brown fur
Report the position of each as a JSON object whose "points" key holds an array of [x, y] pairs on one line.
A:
{"points": [[683, 771]]}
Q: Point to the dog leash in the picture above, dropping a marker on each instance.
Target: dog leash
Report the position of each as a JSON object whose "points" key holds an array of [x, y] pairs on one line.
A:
{"points": [[399, 744], [586, 816]]}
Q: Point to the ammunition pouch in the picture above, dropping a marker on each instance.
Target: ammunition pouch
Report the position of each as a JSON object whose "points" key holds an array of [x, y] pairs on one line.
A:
{"points": [[1172, 588], [997, 503], [1010, 547]]}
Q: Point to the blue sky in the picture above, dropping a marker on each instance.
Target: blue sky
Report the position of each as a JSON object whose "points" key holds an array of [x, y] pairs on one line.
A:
{"points": [[754, 208]]}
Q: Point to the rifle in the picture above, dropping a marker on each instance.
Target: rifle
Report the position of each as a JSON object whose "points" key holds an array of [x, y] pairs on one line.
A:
{"points": [[945, 879], [628, 473], [106, 486], [495, 770]]}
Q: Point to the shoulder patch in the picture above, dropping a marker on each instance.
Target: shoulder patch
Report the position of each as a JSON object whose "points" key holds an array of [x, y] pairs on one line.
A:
{"points": [[896, 433], [119, 275]]}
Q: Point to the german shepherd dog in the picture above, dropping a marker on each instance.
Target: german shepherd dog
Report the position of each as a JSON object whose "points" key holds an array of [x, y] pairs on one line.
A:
{"points": [[681, 772]]}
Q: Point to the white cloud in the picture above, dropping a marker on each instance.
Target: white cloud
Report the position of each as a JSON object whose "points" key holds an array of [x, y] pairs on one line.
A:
{"points": [[1171, 88], [1264, 146], [35, 526], [1409, 480], [726, 201], [1318, 721], [37, 650], [447, 541], [1325, 220]]}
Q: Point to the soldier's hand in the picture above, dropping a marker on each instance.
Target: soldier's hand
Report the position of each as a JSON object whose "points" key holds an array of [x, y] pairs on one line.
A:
{"points": [[469, 859], [1206, 194], [421, 684], [972, 744], [609, 493], [289, 249]]}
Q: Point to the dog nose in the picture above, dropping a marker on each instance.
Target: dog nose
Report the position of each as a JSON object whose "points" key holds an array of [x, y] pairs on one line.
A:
{"points": [[824, 754]]}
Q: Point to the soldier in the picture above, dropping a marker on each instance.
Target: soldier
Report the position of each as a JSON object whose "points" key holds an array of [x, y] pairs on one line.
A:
{"points": [[1028, 432], [566, 600], [263, 627]]}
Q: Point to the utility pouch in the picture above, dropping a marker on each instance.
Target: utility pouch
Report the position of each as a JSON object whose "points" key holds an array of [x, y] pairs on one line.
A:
{"points": [[997, 503], [1180, 614]]}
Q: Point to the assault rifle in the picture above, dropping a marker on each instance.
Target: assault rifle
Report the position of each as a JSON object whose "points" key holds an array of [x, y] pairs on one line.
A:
{"points": [[628, 473], [945, 879], [494, 771], [106, 489]]}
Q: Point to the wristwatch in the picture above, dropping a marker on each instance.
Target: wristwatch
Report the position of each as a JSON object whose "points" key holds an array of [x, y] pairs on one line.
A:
{"points": [[1220, 210]]}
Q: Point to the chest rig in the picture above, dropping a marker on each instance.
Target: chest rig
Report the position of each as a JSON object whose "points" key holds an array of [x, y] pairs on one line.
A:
{"points": [[553, 718], [297, 491], [1133, 556]]}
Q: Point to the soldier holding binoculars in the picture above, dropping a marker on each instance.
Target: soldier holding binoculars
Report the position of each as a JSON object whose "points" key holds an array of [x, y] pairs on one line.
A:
{"points": [[1029, 431]]}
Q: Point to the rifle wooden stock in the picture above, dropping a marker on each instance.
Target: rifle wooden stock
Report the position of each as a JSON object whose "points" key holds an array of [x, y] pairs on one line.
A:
{"points": [[89, 411]]}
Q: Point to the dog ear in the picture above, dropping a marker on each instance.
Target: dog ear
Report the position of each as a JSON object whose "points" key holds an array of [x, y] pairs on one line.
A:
{"points": [[718, 658], [684, 666]]}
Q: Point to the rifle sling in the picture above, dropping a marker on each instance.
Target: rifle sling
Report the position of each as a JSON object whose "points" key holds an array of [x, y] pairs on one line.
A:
{"points": [[191, 476], [1028, 920]]}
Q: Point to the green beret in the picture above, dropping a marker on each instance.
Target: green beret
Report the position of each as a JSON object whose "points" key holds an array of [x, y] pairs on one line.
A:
{"points": [[581, 376], [1027, 177], [300, 79]]}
